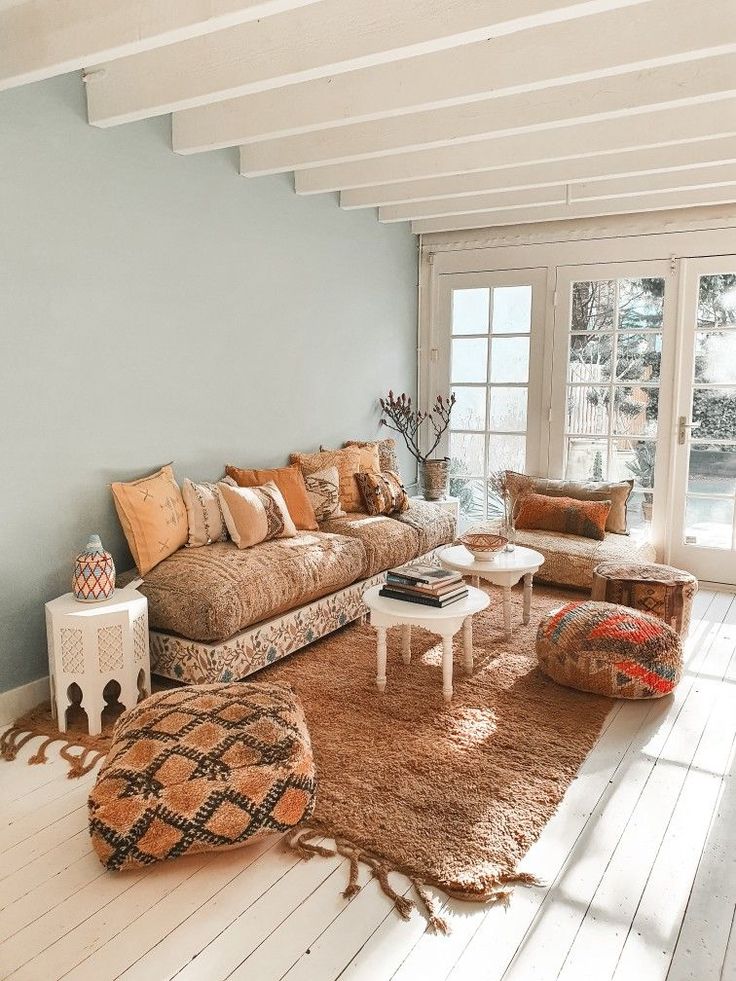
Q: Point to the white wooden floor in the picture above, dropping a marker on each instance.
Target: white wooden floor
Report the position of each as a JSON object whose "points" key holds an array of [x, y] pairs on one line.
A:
{"points": [[640, 862]]}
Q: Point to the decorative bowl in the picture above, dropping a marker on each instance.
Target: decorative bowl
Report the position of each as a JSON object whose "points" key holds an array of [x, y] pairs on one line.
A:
{"points": [[483, 545]]}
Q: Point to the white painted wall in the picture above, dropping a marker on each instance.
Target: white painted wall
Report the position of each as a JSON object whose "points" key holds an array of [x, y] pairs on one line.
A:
{"points": [[157, 308]]}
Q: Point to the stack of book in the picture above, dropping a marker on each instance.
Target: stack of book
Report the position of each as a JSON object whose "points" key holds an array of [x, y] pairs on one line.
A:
{"points": [[424, 584]]}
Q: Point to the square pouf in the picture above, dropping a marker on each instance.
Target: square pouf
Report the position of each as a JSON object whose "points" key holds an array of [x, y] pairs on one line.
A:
{"points": [[199, 769], [662, 590]]}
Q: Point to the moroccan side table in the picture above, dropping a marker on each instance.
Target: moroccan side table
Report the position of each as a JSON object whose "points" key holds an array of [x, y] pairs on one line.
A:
{"points": [[661, 590]]}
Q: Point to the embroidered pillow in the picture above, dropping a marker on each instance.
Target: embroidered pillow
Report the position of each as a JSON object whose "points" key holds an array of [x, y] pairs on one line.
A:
{"points": [[387, 458], [290, 482], [382, 493], [323, 490], [349, 461], [566, 514], [153, 517], [204, 513], [255, 514], [616, 492]]}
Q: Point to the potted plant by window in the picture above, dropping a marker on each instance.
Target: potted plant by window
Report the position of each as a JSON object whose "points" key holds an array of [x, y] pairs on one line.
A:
{"points": [[403, 417], [642, 467]]}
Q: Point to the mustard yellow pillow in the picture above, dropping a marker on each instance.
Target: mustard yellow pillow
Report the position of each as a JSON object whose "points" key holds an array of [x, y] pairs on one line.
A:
{"points": [[255, 514], [153, 516]]}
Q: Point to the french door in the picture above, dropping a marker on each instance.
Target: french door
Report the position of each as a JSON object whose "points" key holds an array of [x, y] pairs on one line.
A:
{"points": [[612, 381], [490, 352], [703, 537]]}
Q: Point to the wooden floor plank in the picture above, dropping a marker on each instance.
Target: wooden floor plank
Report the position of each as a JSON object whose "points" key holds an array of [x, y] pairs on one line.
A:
{"points": [[45, 867]]}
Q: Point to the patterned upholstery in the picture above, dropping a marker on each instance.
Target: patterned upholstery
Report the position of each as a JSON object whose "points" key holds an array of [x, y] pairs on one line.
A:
{"points": [[201, 769], [661, 590], [570, 560], [386, 541], [609, 650], [434, 524]]}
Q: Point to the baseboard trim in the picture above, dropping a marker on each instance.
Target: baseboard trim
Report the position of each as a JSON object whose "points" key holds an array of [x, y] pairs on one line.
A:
{"points": [[19, 700]]}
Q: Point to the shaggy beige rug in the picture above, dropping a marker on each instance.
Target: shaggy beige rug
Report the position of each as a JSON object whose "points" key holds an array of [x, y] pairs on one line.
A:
{"points": [[452, 795]]}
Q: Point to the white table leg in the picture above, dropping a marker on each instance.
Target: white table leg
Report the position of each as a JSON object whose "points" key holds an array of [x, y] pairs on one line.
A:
{"points": [[528, 580], [447, 668], [468, 644], [381, 658], [476, 582], [507, 611], [406, 643]]}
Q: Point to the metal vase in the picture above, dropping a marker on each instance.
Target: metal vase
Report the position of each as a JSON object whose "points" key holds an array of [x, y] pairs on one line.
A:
{"points": [[434, 476]]}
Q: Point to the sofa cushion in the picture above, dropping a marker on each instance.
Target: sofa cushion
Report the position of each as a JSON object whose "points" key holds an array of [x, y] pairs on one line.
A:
{"points": [[202, 769], [387, 542], [208, 594], [570, 560], [617, 492], [434, 524]]}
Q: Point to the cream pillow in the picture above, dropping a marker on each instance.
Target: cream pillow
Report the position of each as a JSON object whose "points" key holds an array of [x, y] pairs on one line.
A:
{"points": [[255, 514], [204, 513], [323, 491]]}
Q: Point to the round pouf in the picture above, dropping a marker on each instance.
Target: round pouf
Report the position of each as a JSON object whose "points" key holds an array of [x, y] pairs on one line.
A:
{"points": [[609, 650], [661, 590]]}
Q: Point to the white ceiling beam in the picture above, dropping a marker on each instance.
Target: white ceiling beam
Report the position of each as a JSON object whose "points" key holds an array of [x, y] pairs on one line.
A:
{"points": [[616, 187], [43, 38], [674, 85], [523, 62], [326, 38], [581, 209], [661, 127], [711, 153]]}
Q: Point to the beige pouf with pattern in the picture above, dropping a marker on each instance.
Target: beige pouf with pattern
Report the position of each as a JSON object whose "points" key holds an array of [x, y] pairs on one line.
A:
{"points": [[662, 590]]}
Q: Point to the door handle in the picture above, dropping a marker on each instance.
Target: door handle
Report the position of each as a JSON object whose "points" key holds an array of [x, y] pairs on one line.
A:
{"points": [[682, 427]]}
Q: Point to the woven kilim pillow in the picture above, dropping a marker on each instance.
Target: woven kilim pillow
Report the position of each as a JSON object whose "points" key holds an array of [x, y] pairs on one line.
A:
{"points": [[609, 650], [200, 769]]}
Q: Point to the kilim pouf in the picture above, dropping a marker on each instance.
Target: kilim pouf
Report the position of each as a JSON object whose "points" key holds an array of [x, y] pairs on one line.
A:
{"points": [[609, 650], [661, 590], [200, 769]]}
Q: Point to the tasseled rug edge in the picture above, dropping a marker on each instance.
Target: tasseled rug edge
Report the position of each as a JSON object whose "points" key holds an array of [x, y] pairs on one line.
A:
{"points": [[91, 749], [301, 840]]}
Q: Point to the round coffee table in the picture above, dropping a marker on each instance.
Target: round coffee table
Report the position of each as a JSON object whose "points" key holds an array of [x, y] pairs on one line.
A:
{"points": [[446, 622], [505, 570]]}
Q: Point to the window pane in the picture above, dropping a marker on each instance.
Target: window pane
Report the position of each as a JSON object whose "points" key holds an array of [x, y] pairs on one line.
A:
{"points": [[638, 357], [593, 305], [471, 494], [470, 311], [717, 301], [712, 469], [715, 410], [510, 359], [634, 459], [469, 360], [467, 454], [590, 358], [508, 409], [506, 453], [708, 522], [512, 310], [635, 410], [469, 411], [715, 357], [587, 459], [588, 409], [640, 304], [639, 510]]}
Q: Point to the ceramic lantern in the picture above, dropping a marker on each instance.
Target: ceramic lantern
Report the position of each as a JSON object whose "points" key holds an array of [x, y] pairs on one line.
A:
{"points": [[94, 573]]}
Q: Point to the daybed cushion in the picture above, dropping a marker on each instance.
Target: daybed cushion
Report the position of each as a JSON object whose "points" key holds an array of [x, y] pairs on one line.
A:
{"points": [[570, 560], [434, 524], [209, 594], [387, 542]]}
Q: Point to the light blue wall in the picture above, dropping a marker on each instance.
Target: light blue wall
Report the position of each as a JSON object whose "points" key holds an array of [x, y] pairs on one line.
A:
{"points": [[156, 308]]}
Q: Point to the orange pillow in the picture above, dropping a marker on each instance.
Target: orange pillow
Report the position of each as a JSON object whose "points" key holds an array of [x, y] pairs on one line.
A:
{"points": [[290, 482], [153, 516], [542, 513]]}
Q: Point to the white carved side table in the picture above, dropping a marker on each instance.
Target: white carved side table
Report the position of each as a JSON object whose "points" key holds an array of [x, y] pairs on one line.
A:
{"points": [[91, 644]]}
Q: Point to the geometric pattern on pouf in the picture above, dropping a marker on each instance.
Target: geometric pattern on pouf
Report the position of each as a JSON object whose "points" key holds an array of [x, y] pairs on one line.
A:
{"points": [[199, 769], [609, 650], [662, 590]]}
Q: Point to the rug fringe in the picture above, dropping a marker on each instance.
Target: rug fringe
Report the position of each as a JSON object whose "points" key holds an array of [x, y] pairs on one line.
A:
{"points": [[13, 739]]}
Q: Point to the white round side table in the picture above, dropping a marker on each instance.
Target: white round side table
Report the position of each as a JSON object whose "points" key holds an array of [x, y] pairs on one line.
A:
{"points": [[386, 612], [504, 570], [91, 644]]}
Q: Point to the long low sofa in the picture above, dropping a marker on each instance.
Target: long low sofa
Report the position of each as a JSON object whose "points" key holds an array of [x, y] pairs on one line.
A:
{"points": [[219, 613]]}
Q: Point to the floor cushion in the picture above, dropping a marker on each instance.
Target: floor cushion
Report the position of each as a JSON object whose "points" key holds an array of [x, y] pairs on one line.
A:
{"points": [[662, 590], [570, 560], [609, 650], [200, 769], [433, 524], [387, 542], [209, 594]]}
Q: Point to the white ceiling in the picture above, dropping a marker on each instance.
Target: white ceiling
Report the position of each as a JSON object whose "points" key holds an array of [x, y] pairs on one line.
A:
{"points": [[452, 115]]}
